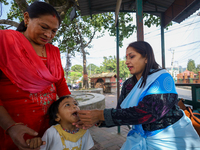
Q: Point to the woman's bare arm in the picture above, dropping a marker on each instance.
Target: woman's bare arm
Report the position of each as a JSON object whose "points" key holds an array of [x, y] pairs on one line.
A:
{"points": [[5, 119], [16, 132]]}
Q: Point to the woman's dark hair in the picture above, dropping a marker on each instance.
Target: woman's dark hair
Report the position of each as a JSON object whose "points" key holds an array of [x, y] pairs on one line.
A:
{"points": [[145, 50], [53, 110], [37, 9]]}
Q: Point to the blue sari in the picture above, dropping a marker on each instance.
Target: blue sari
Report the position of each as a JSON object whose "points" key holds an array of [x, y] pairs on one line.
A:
{"points": [[180, 135]]}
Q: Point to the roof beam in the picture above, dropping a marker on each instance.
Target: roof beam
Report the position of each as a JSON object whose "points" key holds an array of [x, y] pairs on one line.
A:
{"points": [[176, 9], [89, 3]]}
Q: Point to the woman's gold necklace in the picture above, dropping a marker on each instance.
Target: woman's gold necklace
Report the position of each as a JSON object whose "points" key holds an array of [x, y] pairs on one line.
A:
{"points": [[43, 51]]}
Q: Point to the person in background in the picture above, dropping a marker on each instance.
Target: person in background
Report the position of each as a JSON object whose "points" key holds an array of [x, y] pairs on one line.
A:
{"points": [[62, 134], [148, 102], [31, 76]]}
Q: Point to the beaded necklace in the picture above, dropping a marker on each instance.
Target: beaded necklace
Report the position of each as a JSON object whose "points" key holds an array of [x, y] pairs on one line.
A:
{"points": [[73, 131]]}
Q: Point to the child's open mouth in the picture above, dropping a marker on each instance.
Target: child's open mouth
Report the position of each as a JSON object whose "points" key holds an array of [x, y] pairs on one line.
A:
{"points": [[75, 114]]}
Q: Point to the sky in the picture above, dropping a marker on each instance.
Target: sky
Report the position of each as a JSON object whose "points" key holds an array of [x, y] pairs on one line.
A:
{"points": [[181, 38]]}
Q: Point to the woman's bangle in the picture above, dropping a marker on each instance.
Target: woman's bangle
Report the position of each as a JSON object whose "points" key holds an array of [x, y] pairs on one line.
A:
{"points": [[98, 124], [20, 123]]}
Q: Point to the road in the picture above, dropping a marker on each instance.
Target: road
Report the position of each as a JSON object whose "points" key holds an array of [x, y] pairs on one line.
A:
{"points": [[111, 99], [184, 93]]}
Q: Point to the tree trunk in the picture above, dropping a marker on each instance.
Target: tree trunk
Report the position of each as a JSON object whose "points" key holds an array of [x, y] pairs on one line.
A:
{"points": [[66, 67], [85, 74]]}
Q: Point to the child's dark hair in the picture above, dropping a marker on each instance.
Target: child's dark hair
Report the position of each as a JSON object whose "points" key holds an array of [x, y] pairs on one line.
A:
{"points": [[37, 9], [53, 110]]}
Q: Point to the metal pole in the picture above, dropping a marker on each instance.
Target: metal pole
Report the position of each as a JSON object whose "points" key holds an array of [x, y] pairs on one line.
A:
{"points": [[162, 40], [139, 16], [117, 34]]}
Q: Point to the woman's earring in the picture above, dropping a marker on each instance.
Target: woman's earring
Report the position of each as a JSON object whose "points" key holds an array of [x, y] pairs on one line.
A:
{"points": [[25, 24]]}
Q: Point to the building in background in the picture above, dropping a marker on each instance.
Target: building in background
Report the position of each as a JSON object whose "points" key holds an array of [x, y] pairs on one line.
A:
{"points": [[174, 71], [188, 77], [107, 81]]}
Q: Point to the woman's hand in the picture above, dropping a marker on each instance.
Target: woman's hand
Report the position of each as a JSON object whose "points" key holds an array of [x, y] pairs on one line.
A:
{"points": [[89, 118], [17, 134], [80, 124]]}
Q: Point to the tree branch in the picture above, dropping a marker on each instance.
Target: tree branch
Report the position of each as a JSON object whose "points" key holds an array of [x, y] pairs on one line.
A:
{"points": [[61, 6], [9, 22], [22, 5], [90, 39]]}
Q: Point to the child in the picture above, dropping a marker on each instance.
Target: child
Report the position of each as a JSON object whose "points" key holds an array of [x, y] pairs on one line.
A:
{"points": [[62, 135]]}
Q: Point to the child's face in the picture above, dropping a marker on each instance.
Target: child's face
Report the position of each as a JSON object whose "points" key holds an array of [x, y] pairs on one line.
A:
{"points": [[67, 111]]}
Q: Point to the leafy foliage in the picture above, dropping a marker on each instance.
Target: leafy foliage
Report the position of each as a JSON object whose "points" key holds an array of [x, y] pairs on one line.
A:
{"points": [[126, 26], [190, 65], [76, 35], [4, 2], [77, 68], [91, 68], [198, 67], [110, 65], [73, 76]]}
